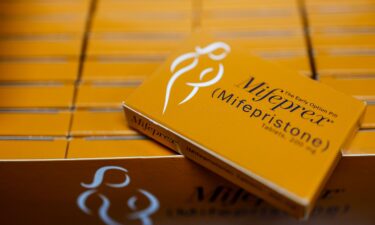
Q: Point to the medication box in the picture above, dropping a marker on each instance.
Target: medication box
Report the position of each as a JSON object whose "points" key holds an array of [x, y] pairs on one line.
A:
{"points": [[237, 116]]}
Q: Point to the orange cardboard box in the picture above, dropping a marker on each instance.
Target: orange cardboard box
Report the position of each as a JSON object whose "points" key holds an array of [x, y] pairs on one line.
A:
{"points": [[101, 95], [29, 8], [332, 7], [40, 48], [142, 5], [32, 149], [345, 65], [344, 40], [34, 124], [111, 148], [27, 27], [205, 118], [121, 69], [100, 123], [363, 144], [132, 47], [267, 22], [363, 89], [139, 26], [58, 69], [369, 117], [342, 19], [243, 4], [197, 195], [55, 95], [249, 12], [271, 42]]}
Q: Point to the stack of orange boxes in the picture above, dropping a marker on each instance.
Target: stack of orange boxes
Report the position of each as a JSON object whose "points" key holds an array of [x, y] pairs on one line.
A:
{"points": [[67, 65], [342, 36], [125, 45], [273, 30], [40, 48]]}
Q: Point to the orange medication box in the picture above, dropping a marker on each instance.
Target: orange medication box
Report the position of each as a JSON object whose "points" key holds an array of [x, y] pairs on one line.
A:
{"points": [[80, 148], [101, 95], [236, 115], [196, 195], [363, 89], [122, 69], [369, 117], [32, 149], [100, 123], [58, 69], [363, 144], [344, 65], [36, 96], [39, 48], [35, 124], [132, 47]]}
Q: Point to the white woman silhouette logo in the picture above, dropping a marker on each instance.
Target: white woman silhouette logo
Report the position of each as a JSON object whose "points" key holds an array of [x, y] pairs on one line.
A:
{"points": [[208, 50]]}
